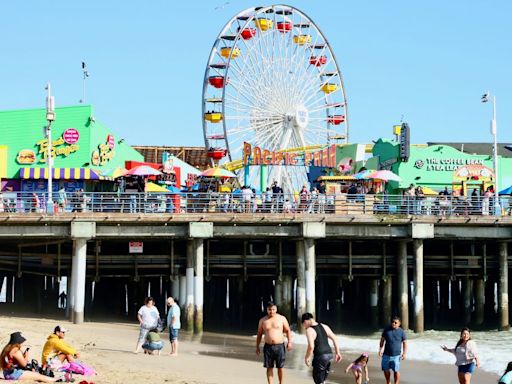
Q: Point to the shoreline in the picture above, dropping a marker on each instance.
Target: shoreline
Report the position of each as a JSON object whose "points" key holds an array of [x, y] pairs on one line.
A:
{"points": [[207, 359]]}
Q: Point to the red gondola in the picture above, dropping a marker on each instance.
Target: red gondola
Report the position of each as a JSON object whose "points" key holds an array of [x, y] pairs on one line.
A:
{"points": [[248, 33], [216, 153], [317, 61], [284, 26], [216, 81], [336, 119]]}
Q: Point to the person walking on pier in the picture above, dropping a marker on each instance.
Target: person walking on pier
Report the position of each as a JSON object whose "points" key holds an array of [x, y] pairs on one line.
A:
{"points": [[466, 356], [173, 323], [273, 326], [392, 348], [318, 336]]}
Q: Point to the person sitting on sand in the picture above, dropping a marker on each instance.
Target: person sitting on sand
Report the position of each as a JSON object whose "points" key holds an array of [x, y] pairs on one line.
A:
{"points": [[153, 342], [14, 362], [358, 366], [56, 351]]}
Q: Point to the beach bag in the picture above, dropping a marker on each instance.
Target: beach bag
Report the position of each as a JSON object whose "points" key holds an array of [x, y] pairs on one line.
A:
{"points": [[79, 368]]}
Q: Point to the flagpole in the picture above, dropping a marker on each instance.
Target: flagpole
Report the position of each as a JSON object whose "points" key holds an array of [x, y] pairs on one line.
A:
{"points": [[494, 131]]}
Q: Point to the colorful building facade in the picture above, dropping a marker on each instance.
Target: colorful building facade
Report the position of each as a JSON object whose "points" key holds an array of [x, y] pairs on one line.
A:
{"points": [[84, 150]]}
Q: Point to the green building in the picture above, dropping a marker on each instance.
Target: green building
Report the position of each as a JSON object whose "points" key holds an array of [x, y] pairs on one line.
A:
{"points": [[452, 165], [84, 150]]}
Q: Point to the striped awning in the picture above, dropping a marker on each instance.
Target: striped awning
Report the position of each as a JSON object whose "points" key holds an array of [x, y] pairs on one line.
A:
{"points": [[61, 173]]}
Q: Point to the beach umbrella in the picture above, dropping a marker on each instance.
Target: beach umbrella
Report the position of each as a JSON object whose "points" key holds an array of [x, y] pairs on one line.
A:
{"points": [[114, 173], [152, 187], [173, 189], [429, 191], [217, 172], [363, 174], [143, 170], [384, 175], [506, 191]]}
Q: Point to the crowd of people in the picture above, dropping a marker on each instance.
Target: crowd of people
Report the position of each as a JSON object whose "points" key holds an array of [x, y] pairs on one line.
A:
{"points": [[58, 359]]}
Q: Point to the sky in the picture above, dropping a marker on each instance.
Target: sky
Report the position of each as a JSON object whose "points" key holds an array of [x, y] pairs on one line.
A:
{"points": [[424, 62]]}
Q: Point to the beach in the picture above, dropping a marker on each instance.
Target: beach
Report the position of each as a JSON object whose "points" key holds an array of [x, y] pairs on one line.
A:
{"points": [[207, 359]]}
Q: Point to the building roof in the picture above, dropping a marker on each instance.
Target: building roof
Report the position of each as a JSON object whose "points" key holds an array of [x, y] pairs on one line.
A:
{"points": [[479, 148], [195, 156]]}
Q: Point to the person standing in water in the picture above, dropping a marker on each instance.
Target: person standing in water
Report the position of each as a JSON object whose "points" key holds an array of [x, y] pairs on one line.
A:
{"points": [[466, 356]]}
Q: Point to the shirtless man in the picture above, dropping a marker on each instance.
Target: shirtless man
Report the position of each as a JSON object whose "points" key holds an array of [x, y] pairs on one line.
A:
{"points": [[273, 326]]}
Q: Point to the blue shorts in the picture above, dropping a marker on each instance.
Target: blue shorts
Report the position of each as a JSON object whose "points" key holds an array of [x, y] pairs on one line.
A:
{"points": [[153, 346], [390, 363], [467, 368], [173, 334], [13, 374]]}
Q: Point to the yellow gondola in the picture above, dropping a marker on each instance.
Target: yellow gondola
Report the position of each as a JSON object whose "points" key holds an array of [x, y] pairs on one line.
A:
{"points": [[226, 51], [263, 24], [213, 117], [302, 39], [329, 87]]}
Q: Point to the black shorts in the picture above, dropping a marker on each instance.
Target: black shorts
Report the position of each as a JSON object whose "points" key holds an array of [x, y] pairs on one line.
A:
{"points": [[274, 355], [321, 366]]}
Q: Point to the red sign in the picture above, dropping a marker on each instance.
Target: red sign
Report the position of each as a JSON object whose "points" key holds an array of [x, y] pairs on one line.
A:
{"points": [[71, 136], [136, 246], [111, 141]]}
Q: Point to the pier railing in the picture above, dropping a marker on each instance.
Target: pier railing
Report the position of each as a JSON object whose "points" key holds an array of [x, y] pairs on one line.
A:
{"points": [[212, 202]]}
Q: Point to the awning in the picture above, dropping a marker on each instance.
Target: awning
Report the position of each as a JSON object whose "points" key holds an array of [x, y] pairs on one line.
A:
{"points": [[61, 174]]}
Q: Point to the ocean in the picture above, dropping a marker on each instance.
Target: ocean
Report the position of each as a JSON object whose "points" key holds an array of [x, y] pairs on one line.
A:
{"points": [[494, 348]]}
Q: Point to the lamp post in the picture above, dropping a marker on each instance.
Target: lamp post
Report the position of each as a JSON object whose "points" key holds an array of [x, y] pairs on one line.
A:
{"points": [[50, 117], [494, 132]]}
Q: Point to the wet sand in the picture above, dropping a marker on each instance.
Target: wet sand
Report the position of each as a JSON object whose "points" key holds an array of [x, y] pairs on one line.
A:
{"points": [[209, 359]]}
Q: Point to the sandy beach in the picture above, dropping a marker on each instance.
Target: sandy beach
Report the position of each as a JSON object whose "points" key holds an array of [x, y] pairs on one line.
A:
{"points": [[208, 359]]}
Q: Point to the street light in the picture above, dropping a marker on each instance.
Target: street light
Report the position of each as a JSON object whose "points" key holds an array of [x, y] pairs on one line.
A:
{"points": [[485, 98], [50, 117]]}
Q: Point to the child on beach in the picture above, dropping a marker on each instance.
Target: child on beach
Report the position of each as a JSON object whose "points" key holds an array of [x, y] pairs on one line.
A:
{"points": [[357, 367], [507, 375]]}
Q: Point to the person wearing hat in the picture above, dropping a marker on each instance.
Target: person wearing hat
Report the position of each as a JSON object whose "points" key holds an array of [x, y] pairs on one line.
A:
{"points": [[14, 362], [56, 351]]}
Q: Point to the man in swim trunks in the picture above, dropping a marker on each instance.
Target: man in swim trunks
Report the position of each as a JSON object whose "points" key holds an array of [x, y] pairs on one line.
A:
{"points": [[273, 326], [318, 336], [393, 348]]}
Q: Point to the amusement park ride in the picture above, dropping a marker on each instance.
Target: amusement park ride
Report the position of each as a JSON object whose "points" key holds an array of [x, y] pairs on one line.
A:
{"points": [[272, 81]]}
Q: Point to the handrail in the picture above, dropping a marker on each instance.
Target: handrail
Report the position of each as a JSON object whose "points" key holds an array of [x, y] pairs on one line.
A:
{"points": [[250, 202]]}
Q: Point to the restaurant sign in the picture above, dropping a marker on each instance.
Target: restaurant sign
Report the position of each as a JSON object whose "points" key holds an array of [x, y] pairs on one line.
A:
{"points": [[325, 157], [104, 153], [63, 146], [448, 164]]}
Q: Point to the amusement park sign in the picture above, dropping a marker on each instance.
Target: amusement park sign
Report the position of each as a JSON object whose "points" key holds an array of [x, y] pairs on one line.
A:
{"points": [[325, 157]]}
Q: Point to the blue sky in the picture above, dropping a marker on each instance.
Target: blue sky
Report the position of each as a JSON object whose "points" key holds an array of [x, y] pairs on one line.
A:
{"points": [[427, 61]]}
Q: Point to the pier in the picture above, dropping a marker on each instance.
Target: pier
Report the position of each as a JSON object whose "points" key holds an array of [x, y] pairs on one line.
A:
{"points": [[349, 270]]}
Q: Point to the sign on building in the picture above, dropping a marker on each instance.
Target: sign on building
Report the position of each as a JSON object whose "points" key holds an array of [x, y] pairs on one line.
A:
{"points": [[136, 246], [404, 142]]}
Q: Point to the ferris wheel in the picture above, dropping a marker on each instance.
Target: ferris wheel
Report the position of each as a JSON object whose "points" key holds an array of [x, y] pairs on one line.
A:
{"points": [[272, 81]]}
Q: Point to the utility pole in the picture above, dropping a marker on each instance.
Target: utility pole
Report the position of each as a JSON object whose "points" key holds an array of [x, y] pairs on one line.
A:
{"points": [[50, 117], [494, 133]]}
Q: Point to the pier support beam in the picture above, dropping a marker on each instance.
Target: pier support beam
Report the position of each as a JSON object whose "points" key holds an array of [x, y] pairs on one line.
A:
{"points": [[387, 300], [287, 299], [479, 291], [183, 291], [466, 298], [175, 287], [503, 310], [419, 315], [80, 233], [309, 248], [403, 284], [189, 301], [301, 283], [374, 302], [198, 285]]}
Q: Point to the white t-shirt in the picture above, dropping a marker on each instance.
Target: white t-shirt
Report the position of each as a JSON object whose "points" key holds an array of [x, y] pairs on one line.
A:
{"points": [[149, 316]]}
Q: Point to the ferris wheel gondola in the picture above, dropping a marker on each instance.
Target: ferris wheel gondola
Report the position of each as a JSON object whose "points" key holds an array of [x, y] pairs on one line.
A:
{"points": [[272, 80]]}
